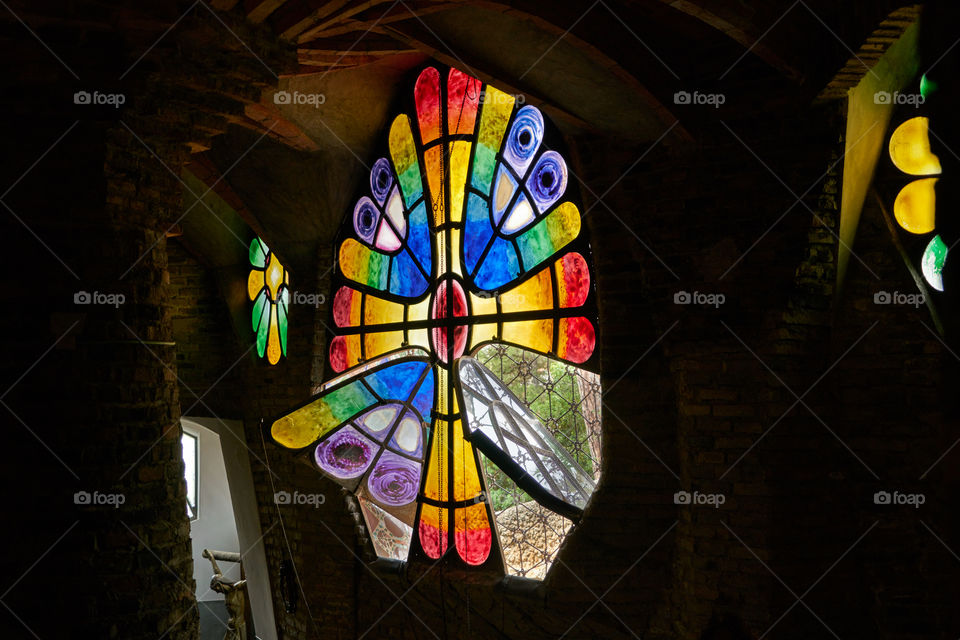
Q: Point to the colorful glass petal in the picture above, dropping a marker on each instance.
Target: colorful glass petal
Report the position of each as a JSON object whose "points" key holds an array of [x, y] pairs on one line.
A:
{"points": [[910, 148], [934, 257], [916, 205]]}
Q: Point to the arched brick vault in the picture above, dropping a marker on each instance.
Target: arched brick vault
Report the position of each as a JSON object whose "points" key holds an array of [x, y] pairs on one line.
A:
{"points": [[697, 399]]}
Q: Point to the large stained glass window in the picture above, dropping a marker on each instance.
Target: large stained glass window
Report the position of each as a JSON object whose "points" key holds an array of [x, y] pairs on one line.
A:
{"points": [[269, 288], [467, 235], [915, 206]]}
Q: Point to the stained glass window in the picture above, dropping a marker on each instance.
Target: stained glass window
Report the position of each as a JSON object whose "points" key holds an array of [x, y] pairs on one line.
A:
{"points": [[466, 235], [268, 288], [915, 206]]}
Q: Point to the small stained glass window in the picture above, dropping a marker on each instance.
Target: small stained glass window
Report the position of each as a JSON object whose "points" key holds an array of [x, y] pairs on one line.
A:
{"points": [[268, 286]]}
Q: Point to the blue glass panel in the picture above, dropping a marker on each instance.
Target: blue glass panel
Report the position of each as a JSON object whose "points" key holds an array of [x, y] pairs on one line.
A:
{"points": [[405, 279], [477, 231], [499, 267]]}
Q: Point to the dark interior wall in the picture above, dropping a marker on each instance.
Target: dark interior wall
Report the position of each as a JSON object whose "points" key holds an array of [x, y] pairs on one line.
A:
{"points": [[91, 408]]}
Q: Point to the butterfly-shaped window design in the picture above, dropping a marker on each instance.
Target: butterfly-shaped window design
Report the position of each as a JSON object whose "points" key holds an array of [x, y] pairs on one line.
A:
{"points": [[467, 235]]}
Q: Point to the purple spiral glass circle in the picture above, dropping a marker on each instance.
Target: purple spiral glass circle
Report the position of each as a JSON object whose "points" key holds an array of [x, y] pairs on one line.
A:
{"points": [[346, 454], [381, 179], [548, 180], [365, 218], [395, 480]]}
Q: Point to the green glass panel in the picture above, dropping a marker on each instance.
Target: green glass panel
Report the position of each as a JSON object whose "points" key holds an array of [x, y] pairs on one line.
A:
{"points": [[927, 86], [934, 257], [282, 318], [264, 329], [349, 400], [258, 253], [258, 316]]}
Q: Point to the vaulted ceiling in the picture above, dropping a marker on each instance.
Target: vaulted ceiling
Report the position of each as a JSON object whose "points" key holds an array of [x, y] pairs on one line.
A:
{"points": [[607, 69]]}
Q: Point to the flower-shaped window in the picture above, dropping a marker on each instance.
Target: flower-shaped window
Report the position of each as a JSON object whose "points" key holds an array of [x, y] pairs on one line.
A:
{"points": [[467, 235], [268, 288]]}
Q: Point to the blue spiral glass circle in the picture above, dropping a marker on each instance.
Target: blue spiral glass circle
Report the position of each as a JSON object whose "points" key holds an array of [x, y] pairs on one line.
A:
{"points": [[524, 138]]}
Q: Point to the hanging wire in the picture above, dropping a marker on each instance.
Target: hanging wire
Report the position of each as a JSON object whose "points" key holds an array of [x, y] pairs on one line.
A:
{"points": [[286, 540]]}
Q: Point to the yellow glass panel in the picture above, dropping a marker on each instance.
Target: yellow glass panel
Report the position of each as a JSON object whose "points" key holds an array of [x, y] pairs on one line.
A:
{"points": [[435, 517], [459, 161], [295, 431], [254, 283], [432, 158], [419, 338], [482, 333], [435, 485], [379, 311], [910, 148], [483, 305], [443, 379], [274, 276], [916, 206], [419, 311], [455, 256], [353, 350], [354, 260], [379, 343], [533, 294], [273, 339], [471, 518], [530, 334], [466, 480]]}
